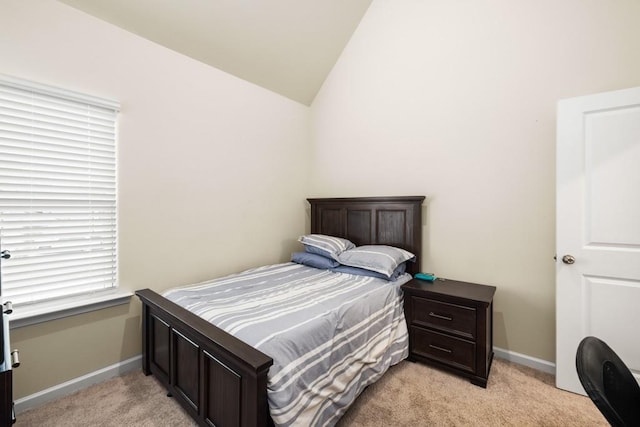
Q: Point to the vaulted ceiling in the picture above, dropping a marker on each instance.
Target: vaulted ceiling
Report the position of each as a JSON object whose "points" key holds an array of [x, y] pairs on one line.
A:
{"points": [[287, 46]]}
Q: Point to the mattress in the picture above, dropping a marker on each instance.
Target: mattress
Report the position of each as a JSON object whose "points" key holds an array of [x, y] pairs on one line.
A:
{"points": [[330, 334]]}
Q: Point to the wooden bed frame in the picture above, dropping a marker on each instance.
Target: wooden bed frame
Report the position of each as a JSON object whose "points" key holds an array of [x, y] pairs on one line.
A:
{"points": [[218, 379]]}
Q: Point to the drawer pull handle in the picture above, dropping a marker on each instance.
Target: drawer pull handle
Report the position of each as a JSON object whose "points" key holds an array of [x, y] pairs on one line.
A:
{"points": [[432, 314], [446, 350]]}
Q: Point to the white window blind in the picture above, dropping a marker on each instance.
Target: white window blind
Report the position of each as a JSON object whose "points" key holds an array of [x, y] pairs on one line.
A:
{"points": [[57, 192]]}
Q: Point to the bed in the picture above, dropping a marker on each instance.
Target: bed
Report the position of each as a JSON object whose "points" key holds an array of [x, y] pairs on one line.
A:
{"points": [[218, 378]]}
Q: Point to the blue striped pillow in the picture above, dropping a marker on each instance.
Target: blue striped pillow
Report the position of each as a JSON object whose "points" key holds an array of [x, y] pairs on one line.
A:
{"points": [[314, 260], [399, 271], [381, 258], [324, 245]]}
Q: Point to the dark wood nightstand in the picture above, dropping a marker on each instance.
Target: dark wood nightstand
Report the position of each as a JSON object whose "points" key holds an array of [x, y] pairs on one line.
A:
{"points": [[451, 326]]}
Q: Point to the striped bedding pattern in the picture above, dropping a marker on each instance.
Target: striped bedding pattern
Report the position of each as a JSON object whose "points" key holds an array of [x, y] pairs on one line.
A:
{"points": [[329, 334]]}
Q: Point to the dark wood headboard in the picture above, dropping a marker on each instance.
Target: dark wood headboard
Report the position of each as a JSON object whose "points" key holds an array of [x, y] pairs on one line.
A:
{"points": [[393, 221]]}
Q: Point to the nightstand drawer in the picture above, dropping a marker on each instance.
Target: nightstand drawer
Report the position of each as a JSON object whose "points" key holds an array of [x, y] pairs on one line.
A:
{"points": [[443, 348], [452, 318]]}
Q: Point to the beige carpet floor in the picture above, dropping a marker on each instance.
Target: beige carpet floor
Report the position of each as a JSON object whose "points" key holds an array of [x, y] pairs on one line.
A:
{"points": [[410, 394]]}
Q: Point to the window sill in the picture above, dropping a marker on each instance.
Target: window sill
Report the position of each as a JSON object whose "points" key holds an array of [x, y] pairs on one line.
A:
{"points": [[37, 313]]}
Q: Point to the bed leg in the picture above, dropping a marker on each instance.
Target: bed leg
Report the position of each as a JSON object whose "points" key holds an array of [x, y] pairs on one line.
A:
{"points": [[145, 340]]}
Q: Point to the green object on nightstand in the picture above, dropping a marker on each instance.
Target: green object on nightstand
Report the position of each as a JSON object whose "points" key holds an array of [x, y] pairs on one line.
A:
{"points": [[429, 277]]}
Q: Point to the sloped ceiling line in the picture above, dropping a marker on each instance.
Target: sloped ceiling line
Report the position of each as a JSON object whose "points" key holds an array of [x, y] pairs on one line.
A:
{"points": [[286, 46]]}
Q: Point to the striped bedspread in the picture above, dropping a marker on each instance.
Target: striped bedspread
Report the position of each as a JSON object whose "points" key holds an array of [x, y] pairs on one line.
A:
{"points": [[329, 334]]}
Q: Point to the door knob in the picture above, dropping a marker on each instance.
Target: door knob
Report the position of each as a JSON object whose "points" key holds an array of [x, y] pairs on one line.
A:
{"points": [[568, 259], [5, 254]]}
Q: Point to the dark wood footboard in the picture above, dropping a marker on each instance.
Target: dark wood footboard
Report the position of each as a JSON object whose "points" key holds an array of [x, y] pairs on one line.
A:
{"points": [[218, 379]]}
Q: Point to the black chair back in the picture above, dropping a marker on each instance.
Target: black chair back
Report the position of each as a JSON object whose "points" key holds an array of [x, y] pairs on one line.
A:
{"points": [[608, 382]]}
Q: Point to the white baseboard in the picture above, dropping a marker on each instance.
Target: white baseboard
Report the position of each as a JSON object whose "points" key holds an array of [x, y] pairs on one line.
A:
{"points": [[71, 386], [125, 366], [523, 359]]}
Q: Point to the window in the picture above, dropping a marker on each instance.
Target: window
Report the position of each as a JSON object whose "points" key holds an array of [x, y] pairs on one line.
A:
{"points": [[57, 192]]}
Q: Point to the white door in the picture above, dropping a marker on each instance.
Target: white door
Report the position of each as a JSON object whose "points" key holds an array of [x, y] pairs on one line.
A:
{"points": [[598, 224]]}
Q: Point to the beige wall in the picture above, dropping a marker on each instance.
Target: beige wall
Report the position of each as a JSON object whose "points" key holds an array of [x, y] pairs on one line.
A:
{"points": [[212, 173], [456, 100]]}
